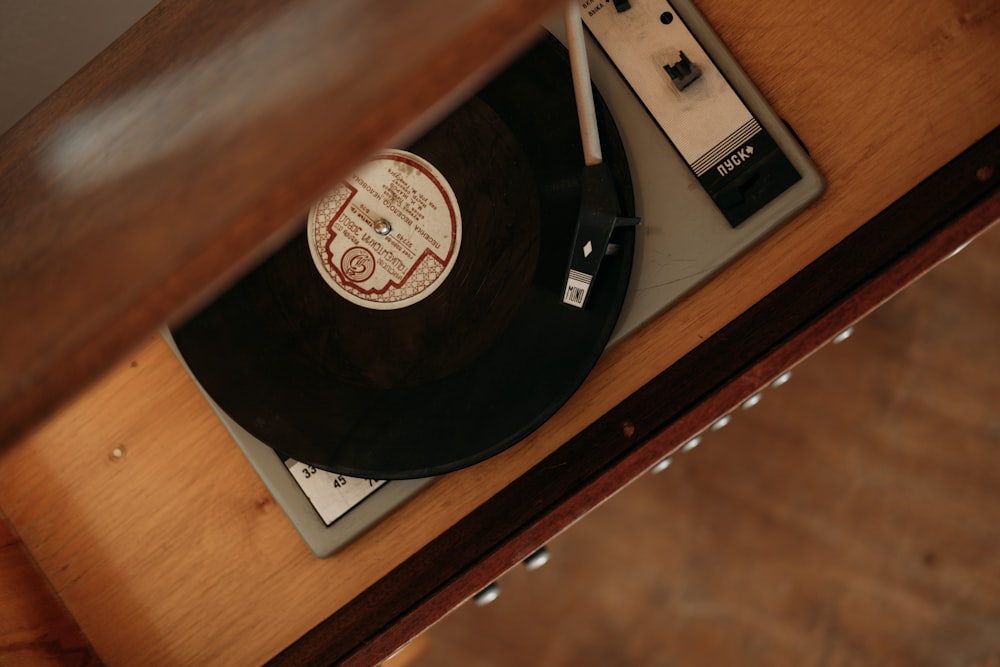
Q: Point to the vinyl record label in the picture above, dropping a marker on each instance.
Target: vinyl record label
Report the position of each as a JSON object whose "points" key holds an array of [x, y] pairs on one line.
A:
{"points": [[389, 235]]}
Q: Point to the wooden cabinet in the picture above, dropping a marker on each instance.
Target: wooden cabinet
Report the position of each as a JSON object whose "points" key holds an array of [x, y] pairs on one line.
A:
{"points": [[172, 552]]}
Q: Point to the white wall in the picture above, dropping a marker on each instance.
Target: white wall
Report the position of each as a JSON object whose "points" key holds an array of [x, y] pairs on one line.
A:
{"points": [[43, 42]]}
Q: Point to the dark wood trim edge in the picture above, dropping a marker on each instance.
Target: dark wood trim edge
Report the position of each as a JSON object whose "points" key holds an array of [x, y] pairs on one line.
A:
{"points": [[890, 251]]}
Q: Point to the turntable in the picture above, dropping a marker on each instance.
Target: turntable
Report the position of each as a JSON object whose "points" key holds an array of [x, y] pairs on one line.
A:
{"points": [[443, 301]]}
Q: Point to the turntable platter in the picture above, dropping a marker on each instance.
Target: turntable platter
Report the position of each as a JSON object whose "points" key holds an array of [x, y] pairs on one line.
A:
{"points": [[481, 358]]}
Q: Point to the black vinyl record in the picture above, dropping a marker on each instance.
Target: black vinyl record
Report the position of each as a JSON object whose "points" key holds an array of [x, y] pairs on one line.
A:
{"points": [[484, 359]]}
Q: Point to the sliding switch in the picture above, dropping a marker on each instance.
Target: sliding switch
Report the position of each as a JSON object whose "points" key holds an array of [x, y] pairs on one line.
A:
{"points": [[683, 72]]}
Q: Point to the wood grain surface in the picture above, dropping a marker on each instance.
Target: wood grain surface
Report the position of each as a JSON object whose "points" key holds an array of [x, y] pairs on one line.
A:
{"points": [[181, 153], [35, 628], [848, 519], [175, 554]]}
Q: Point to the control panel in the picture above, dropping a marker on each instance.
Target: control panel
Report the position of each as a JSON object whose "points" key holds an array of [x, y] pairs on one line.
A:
{"points": [[733, 155]]}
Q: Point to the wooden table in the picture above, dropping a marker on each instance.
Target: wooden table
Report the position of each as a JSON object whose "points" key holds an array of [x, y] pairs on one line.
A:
{"points": [[165, 547]]}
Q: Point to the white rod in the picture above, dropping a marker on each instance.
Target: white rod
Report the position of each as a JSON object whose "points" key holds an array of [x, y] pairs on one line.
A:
{"points": [[581, 85]]}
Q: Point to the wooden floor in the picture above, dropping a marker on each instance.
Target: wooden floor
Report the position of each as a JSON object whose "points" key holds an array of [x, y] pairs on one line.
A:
{"points": [[852, 518]]}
